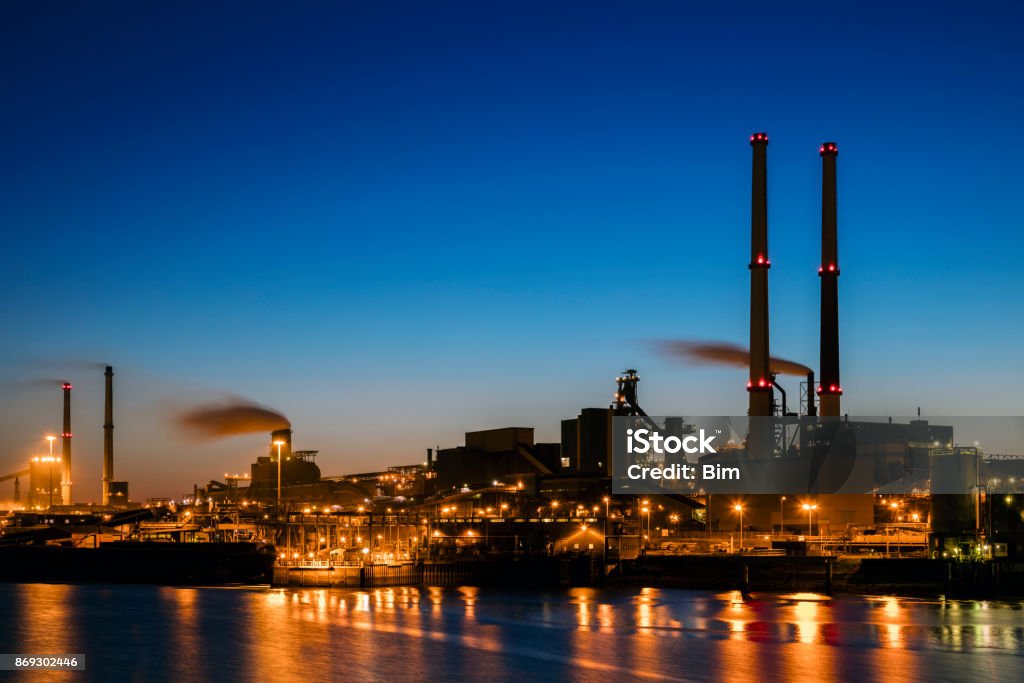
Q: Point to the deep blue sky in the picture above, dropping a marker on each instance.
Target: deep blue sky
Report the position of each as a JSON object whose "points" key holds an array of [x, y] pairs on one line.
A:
{"points": [[400, 221]]}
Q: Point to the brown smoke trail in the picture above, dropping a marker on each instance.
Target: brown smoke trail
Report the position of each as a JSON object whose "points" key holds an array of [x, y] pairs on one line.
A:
{"points": [[230, 418], [727, 354]]}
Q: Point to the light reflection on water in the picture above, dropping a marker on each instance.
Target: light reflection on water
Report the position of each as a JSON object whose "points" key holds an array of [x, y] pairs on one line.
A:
{"points": [[160, 633]]}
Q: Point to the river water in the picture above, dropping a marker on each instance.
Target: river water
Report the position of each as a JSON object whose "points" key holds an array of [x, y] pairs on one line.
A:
{"points": [[153, 633]]}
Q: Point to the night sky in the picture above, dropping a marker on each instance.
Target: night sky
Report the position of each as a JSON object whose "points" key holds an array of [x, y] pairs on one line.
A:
{"points": [[396, 222]]}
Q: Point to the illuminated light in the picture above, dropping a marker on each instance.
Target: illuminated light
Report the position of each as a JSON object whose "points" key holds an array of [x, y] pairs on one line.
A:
{"points": [[760, 382], [832, 387], [831, 267], [66, 385]]}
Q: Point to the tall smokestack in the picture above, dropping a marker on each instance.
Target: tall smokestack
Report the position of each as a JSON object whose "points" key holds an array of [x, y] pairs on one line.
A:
{"points": [[760, 384], [830, 390], [65, 437], [108, 434]]}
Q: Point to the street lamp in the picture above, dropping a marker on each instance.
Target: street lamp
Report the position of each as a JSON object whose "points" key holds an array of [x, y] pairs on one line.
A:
{"points": [[893, 506], [810, 507], [51, 439], [739, 508], [607, 501], [279, 443], [782, 516], [647, 511]]}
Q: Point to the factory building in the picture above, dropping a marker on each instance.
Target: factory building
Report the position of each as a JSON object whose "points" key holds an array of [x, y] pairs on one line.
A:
{"points": [[587, 443], [44, 481], [292, 474], [898, 450], [1005, 521], [507, 454]]}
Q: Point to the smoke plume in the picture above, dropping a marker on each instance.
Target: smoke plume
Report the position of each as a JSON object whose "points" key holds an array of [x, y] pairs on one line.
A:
{"points": [[238, 416], [727, 354]]}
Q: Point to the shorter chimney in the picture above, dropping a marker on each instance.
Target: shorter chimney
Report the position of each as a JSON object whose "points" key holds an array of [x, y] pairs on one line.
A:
{"points": [[108, 434], [65, 437]]}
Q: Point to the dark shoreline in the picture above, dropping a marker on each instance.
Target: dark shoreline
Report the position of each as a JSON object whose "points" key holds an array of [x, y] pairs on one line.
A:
{"points": [[904, 577], [198, 565]]}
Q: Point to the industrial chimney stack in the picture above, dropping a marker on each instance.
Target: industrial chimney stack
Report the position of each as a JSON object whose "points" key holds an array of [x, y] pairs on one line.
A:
{"points": [[760, 384], [108, 435], [65, 437], [830, 390]]}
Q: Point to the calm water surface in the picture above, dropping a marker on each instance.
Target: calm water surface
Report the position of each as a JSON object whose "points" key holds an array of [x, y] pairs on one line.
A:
{"points": [[151, 633]]}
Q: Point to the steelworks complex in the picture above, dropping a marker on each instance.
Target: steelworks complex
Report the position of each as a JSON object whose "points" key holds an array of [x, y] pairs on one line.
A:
{"points": [[501, 494]]}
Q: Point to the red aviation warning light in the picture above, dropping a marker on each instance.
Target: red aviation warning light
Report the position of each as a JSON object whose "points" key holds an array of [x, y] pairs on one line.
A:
{"points": [[828, 148], [66, 385], [761, 384], [759, 137]]}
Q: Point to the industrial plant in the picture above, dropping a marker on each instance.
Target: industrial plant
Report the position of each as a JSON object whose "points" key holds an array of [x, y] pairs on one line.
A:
{"points": [[502, 507]]}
